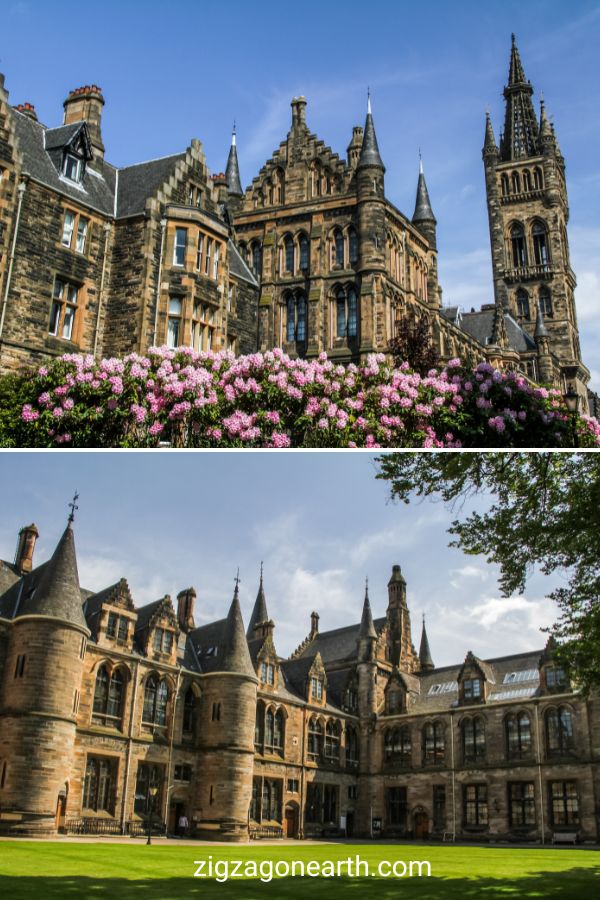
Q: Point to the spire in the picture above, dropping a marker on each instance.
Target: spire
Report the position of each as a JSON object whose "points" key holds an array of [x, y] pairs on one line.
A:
{"points": [[520, 137], [232, 172], [369, 154], [367, 628], [540, 326], [57, 593], [489, 145], [235, 656], [424, 651], [423, 211], [259, 613]]}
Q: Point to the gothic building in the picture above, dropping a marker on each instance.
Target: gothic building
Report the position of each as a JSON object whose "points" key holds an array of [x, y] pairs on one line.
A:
{"points": [[114, 717], [312, 257]]}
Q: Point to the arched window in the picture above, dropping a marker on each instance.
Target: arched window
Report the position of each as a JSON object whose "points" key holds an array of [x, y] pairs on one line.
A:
{"points": [[156, 698], [351, 746], [108, 698], [346, 312], [332, 740], [271, 801], [340, 311], [546, 302], [559, 732], [295, 326], [326, 181], [473, 734], [540, 244], [99, 786], [315, 175], [526, 180], [189, 712], [538, 179], [278, 731], [303, 247], [315, 738], [288, 249], [278, 186], [259, 726], [518, 736], [516, 183], [269, 728], [256, 256], [519, 249], [352, 246], [398, 745], [505, 185], [338, 240], [433, 744], [523, 304]]}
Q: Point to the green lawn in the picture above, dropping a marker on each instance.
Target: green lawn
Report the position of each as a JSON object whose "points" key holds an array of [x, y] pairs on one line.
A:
{"points": [[48, 870]]}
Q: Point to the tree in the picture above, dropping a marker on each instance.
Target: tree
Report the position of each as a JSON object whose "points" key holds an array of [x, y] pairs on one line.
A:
{"points": [[412, 344], [545, 512]]}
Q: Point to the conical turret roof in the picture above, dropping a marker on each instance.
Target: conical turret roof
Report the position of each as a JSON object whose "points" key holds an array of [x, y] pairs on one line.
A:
{"points": [[234, 653], [424, 651], [57, 594], [232, 172], [259, 613], [489, 143], [367, 627], [369, 154], [520, 138], [423, 211]]}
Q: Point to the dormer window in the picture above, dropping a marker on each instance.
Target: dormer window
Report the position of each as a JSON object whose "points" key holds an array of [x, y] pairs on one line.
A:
{"points": [[267, 673], [472, 688], [555, 678], [163, 641], [73, 168], [316, 688]]}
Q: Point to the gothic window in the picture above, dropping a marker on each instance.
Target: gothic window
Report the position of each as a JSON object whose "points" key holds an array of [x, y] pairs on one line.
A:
{"points": [[156, 697], [559, 732], [338, 241], [278, 731], [521, 804], [397, 807], [267, 673], [315, 738], [148, 783], [315, 175], [518, 736], [439, 807], [475, 808], [564, 806], [332, 740], [434, 746], [538, 179], [505, 185], [189, 711], [259, 727], [174, 324], [523, 304], [277, 186], [108, 698], [314, 802], [473, 736], [351, 746], [330, 804], [540, 244], [268, 191], [64, 309], [516, 183], [99, 785], [269, 725], [526, 180], [254, 803], [256, 257], [288, 250], [519, 249], [295, 327], [398, 746], [303, 247], [326, 181], [353, 246], [546, 302], [346, 312]]}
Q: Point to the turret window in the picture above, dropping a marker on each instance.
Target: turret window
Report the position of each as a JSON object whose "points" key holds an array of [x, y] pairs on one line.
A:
{"points": [[519, 249], [20, 666], [523, 310], [540, 245], [546, 303]]}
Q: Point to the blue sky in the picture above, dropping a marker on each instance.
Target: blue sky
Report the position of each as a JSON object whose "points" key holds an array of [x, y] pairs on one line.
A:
{"points": [[320, 522], [177, 70]]}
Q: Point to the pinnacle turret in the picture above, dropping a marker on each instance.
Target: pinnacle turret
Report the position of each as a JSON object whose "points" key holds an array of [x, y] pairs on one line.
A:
{"points": [[520, 137], [424, 652], [423, 211], [234, 653], [367, 627], [259, 613], [232, 172], [369, 154], [490, 146], [57, 593]]}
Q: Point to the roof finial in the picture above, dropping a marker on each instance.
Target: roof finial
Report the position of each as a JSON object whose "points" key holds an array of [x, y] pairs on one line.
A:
{"points": [[261, 569], [237, 582], [367, 587], [233, 135], [368, 100], [420, 162], [73, 506]]}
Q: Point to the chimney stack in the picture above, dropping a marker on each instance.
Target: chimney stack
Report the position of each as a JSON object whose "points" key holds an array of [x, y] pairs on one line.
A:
{"points": [[25, 547], [28, 109], [85, 104], [185, 609], [314, 623], [220, 184], [298, 112]]}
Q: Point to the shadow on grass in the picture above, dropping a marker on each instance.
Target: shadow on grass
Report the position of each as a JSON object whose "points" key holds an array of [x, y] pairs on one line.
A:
{"points": [[570, 884]]}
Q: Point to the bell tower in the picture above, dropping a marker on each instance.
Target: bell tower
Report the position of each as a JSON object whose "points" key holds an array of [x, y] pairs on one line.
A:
{"points": [[528, 213]]}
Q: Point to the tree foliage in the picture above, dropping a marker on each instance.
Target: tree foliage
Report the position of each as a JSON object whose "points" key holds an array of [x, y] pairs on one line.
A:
{"points": [[413, 344], [545, 512]]}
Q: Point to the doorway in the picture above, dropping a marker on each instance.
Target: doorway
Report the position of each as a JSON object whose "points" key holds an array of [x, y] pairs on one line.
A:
{"points": [[61, 810], [291, 820], [421, 825], [176, 810]]}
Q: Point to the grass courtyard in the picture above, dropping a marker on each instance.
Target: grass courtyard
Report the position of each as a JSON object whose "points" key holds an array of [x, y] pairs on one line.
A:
{"points": [[64, 869]]}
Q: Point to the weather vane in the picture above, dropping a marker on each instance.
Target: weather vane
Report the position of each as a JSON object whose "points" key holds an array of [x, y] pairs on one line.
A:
{"points": [[73, 506]]}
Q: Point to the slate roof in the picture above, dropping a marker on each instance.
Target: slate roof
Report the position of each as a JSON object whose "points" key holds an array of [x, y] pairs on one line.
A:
{"points": [[206, 641], [138, 182], [480, 325], [238, 266], [423, 211], [337, 644], [8, 576], [145, 613]]}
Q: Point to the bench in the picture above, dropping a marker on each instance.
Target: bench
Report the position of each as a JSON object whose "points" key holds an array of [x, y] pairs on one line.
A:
{"points": [[564, 837]]}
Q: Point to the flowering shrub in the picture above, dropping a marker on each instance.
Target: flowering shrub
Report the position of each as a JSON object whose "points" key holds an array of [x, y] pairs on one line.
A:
{"points": [[269, 400]]}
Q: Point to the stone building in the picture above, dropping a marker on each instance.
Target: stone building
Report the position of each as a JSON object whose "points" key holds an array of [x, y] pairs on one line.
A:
{"points": [[312, 257], [114, 717]]}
